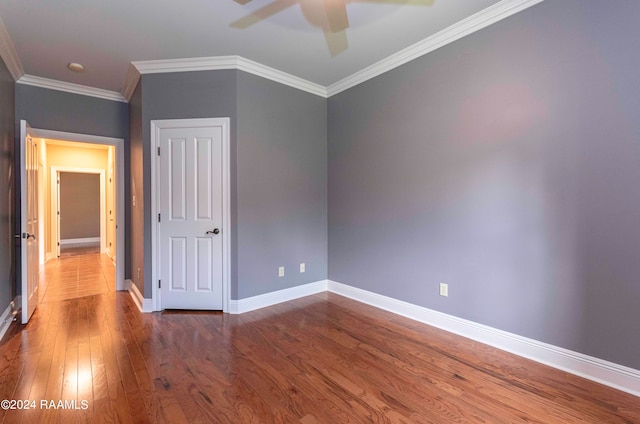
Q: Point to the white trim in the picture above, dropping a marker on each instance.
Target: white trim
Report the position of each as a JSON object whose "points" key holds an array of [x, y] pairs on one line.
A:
{"points": [[85, 240], [273, 74], [55, 170], [269, 299], [9, 54], [144, 305], [156, 126], [216, 63], [69, 87], [49, 256], [598, 370], [6, 319], [473, 23], [130, 82], [74, 137], [118, 143]]}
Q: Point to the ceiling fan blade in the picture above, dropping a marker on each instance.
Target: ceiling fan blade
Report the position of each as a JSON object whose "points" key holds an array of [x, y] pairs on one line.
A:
{"points": [[336, 42], [263, 13], [242, 1], [336, 11]]}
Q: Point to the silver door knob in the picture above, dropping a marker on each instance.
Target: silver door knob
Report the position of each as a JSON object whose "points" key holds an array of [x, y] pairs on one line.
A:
{"points": [[214, 231]]}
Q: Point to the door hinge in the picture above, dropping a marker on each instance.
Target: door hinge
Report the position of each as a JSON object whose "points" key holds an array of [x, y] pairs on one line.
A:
{"points": [[58, 243], [158, 217], [158, 151], [159, 284]]}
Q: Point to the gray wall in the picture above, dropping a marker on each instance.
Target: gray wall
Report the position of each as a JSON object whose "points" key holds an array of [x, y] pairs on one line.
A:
{"points": [[136, 224], [79, 205], [282, 186], [278, 172], [204, 94], [506, 165], [7, 143], [61, 111]]}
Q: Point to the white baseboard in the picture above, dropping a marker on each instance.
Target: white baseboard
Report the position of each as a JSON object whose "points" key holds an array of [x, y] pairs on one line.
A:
{"points": [[613, 375], [87, 240], [598, 370], [269, 299], [145, 305], [6, 319]]}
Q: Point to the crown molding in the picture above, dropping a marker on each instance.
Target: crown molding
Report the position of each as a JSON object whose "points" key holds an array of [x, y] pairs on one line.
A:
{"points": [[214, 63], [130, 82], [9, 54], [473, 23], [228, 62], [70, 88], [267, 72]]}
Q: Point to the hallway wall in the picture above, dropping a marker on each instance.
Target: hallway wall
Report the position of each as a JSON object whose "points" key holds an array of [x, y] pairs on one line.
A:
{"points": [[71, 157], [7, 143], [79, 205]]}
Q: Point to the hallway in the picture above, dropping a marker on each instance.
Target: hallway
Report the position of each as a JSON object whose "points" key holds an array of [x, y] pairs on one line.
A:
{"points": [[78, 272]]}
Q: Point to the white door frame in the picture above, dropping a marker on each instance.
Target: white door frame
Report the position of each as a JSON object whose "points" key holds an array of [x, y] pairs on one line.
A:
{"points": [[42, 194], [118, 143], [55, 188], [156, 126]]}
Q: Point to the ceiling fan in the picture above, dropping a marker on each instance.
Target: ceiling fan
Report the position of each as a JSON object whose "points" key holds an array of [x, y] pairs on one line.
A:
{"points": [[330, 15]]}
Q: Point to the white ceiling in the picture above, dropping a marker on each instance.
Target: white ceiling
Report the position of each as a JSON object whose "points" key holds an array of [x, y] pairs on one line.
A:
{"points": [[106, 35]]}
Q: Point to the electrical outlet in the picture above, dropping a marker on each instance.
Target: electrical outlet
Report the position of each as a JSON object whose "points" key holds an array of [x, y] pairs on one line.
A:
{"points": [[281, 271], [138, 276], [303, 267], [444, 289]]}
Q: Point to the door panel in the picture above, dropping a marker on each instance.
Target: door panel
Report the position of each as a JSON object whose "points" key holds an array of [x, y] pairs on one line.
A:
{"points": [[203, 270], [190, 194], [178, 264], [177, 184], [203, 184]]}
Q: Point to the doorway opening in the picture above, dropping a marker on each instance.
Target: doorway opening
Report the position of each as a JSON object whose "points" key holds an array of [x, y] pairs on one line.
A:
{"points": [[80, 204], [81, 210]]}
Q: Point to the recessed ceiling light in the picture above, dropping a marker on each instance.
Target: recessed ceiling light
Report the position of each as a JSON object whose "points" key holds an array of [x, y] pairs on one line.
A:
{"points": [[75, 67]]}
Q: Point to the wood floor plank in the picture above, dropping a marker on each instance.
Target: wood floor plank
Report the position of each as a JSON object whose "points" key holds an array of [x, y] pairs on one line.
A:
{"points": [[319, 359]]}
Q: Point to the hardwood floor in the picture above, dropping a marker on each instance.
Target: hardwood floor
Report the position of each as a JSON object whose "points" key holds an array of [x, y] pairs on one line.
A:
{"points": [[319, 359], [76, 273]]}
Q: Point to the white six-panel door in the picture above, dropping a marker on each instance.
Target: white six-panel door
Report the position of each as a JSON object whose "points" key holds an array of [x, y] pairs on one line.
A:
{"points": [[30, 261], [190, 218]]}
